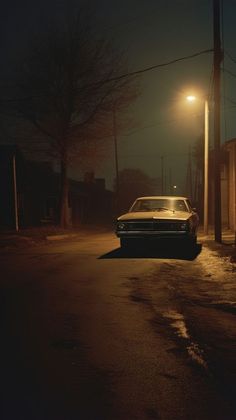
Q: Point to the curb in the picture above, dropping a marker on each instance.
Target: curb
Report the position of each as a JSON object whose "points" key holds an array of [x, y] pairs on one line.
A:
{"points": [[58, 237]]}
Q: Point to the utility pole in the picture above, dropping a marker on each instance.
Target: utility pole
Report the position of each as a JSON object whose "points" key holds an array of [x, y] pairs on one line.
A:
{"points": [[206, 165], [217, 61]]}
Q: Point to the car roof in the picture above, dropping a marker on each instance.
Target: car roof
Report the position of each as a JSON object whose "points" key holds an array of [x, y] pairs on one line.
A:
{"points": [[169, 197]]}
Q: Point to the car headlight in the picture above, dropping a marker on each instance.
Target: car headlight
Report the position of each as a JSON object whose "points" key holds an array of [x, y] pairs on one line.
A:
{"points": [[120, 226], [183, 226]]}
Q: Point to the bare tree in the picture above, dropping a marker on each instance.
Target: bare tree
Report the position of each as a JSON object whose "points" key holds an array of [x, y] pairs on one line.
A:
{"points": [[68, 88]]}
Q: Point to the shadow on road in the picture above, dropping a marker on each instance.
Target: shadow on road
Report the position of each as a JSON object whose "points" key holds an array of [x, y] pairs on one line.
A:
{"points": [[163, 252]]}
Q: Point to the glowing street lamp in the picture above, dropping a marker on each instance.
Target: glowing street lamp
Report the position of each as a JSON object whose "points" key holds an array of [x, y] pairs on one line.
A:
{"points": [[192, 98]]}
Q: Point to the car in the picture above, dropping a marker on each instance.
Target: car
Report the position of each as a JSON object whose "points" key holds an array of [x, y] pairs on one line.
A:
{"points": [[168, 218]]}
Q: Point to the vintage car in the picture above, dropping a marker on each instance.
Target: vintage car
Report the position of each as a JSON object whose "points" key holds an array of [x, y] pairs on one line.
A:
{"points": [[158, 217]]}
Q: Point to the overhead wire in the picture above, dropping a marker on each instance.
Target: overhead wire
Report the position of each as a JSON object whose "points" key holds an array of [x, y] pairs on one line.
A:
{"points": [[172, 121], [228, 71], [136, 72], [230, 100], [147, 69], [230, 56]]}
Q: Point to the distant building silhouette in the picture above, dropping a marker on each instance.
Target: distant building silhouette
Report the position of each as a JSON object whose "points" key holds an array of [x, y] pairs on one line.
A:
{"points": [[38, 194]]}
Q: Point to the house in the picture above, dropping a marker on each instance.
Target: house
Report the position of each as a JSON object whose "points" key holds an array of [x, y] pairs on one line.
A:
{"points": [[90, 201], [228, 184], [30, 194], [9, 155]]}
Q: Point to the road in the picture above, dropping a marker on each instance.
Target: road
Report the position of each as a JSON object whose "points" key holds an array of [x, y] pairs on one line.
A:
{"points": [[91, 332]]}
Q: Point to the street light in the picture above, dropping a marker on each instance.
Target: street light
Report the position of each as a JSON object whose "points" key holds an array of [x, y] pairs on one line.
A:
{"points": [[192, 98]]}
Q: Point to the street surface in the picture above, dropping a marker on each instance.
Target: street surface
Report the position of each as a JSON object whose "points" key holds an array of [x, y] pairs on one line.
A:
{"points": [[89, 331]]}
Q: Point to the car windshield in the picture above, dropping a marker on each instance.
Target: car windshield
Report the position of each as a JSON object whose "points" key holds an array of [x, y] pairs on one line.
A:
{"points": [[159, 204]]}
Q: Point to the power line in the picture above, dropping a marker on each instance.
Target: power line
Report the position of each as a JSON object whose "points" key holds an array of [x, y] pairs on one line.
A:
{"points": [[158, 123], [230, 56], [136, 72], [133, 73], [229, 72], [144, 70], [230, 100]]}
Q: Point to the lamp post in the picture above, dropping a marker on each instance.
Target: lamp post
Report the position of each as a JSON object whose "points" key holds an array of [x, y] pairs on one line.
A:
{"points": [[192, 98], [206, 151]]}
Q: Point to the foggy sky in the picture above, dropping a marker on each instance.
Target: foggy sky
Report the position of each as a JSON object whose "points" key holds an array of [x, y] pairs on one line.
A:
{"points": [[151, 32]]}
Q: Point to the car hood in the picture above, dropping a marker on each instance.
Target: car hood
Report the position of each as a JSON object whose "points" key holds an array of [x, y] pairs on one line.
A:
{"points": [[144, 215]]}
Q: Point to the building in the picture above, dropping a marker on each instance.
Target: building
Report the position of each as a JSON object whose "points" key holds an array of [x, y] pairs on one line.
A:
{"points": [[30, 194], [9, 155], [228, 185]]}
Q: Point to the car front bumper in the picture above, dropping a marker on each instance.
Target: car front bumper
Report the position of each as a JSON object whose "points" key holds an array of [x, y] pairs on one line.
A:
{"points": [[154, 234]]}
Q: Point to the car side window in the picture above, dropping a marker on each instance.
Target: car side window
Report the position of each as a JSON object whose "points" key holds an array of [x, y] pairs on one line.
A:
{"points": [[189, 205]]}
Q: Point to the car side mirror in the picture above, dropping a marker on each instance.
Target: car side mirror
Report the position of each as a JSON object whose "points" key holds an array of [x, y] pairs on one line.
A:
{"points": [[194, 209]]}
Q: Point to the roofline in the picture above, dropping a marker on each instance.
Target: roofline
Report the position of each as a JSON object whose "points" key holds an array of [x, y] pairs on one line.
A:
{"points": [[228, 142]]}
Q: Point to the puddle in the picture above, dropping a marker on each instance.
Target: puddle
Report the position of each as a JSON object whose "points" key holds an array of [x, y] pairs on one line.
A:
{"points": [[177, 322]]}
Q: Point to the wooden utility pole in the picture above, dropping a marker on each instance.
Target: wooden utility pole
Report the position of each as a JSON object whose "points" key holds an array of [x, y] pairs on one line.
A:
{"points": [[206, 165], [217, 61]]}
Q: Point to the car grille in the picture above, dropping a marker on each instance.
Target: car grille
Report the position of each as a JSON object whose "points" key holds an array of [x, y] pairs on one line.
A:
{"points": [[139, 226], [153, 225]]}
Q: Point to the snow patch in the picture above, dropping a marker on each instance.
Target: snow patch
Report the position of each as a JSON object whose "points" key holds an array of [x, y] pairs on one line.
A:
{"points": [[216, 268], [193, 349], [197, 355], [177, 322]]}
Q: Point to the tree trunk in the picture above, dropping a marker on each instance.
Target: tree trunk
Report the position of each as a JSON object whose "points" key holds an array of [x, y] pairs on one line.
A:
{"points": [[64, 207]]}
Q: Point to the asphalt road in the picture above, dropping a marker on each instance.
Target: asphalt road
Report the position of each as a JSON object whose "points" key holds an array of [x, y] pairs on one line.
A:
{"points": [[91, 332]]}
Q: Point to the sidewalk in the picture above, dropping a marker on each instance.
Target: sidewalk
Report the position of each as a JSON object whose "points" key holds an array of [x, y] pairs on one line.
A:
{"points": [[226, 249], [44, 234], [228, 237]]}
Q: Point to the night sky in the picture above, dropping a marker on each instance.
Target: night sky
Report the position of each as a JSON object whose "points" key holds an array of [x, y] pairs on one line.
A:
{"points": [[151, 32]]}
